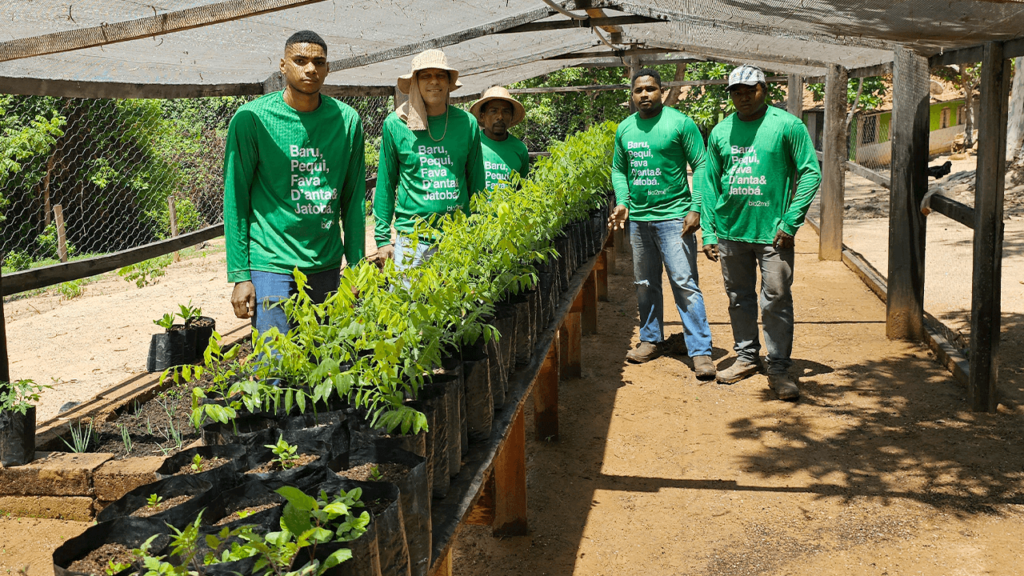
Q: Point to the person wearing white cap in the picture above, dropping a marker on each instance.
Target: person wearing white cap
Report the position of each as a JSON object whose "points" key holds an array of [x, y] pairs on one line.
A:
{"points": [[750, 214], [497, 111], [652, 150], [430, 160]]}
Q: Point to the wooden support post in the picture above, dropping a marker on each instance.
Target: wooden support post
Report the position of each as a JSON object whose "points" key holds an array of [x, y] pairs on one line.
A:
{"points": [[622, 242], [62, 240], [482, 513], [633, 66], [833, 177], [545, 396], [988, 228], [563, 348], [611, 254], [444, 565], [601, 270], [172, 217], [904, 303], [400, 97], [510, 482], [573, 341], [588, 297], [795, 96], [5, 369]]}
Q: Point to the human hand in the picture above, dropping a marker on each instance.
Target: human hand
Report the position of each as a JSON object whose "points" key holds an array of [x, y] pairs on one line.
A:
{"points": [[691, 223], [384, 253], [783, 240], [243, 299], [617, 220], [711, 251]]}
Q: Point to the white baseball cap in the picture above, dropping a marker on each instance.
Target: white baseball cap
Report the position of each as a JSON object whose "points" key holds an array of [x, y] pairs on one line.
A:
{"points": [[747, 76]]}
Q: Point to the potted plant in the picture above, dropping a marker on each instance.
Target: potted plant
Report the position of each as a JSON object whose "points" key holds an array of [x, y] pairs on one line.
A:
{"points": [[18, 421], [173, 347], [203, 325]]}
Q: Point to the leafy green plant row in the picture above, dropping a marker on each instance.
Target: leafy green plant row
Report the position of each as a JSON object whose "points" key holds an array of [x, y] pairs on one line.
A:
{"points": [[371, 343]]}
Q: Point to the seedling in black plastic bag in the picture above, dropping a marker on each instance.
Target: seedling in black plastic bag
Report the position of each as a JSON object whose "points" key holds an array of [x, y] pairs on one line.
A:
{"points": [[197, 463], [285, 452], [115, 567], [165, 322], [154, 501]]}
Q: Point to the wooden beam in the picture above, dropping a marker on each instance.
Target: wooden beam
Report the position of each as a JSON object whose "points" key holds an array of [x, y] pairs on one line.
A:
{"points": [[591, 22], [545, 396], [612, 62], [601, 270], [988, 228], [528, 59], [909, 130], [57, 273], [608, 87], [510, 482], [795, 95], [657, 52], [953, 210], [588, 297], [833, 175], [865, 72], [156, 25], [1011, 49], [869, 174], [573, 348], [76, 89]]}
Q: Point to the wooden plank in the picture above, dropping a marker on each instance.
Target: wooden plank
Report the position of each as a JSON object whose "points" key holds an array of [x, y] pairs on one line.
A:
{"points": [[444, 565], [57, 273], [576, 24], [602, 276], [910, 129], [172, 217], [77, 89], [833, 170], [865, 72], [482, 513], [528, 59], [158, 24], [612, 62], [953, 210], [795, 95], [869, 174], [510, 482], [656, 52], [609, 87], [545, 396], [589, 300], [573, 346], [62, 237], [988, 228]]}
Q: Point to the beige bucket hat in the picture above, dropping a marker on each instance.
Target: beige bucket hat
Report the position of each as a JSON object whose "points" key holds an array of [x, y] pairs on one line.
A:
{"points": [[499, 93], [429, 59]]}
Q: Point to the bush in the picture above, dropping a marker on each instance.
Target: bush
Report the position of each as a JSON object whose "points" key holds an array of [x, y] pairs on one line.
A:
{"points": [[17, 261], [47, 242], [189, 219]]}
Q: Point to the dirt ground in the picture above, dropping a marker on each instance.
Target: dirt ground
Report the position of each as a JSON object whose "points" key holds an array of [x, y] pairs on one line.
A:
{"points": [[879, 469]]}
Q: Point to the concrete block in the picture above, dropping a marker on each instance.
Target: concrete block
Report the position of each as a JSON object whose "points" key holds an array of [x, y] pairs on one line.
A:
{"points": [[78, 508], [118, 477], [53, 474]]}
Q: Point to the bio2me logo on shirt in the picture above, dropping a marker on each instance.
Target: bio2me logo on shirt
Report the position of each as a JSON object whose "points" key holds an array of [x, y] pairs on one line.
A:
{"points": [[309, 189], [742, 181], [435, 172]]}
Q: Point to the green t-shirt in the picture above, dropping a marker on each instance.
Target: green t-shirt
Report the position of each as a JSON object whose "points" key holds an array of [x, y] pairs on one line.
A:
{"points": [[649, 167], [501, 158], [419, 177], [750, 171], [289, 178]]}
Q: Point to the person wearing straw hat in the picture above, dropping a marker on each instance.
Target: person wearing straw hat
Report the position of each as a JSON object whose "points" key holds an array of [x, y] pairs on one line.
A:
{"points": [[750, 215], [652, 150], [431, 160], [294, 170], [497, 111]]}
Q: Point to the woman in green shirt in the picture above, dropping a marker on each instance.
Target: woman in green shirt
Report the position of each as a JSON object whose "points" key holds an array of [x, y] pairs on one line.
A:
{"points": [[430, 160]]}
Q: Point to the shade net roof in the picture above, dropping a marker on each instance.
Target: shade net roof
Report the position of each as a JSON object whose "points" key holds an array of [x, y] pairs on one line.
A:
{"points": [[238, 56]]}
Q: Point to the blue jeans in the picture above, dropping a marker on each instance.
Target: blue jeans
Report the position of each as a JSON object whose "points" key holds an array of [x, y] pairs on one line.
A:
{"points": [[655, 244], [408, 256], [273, 288], [740, 263]]}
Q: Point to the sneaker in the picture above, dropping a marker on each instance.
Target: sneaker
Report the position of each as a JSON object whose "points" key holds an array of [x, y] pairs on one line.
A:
{"points": [[704, 368], [645, 352], [784, 386], [739, 370]]}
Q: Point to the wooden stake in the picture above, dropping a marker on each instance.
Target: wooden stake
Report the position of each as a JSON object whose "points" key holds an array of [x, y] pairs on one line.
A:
{"points": [[62, 241], [172, 216], [510, 482], [988, 228], [588, 297], [5, 369], [563, 350], [573, 344], [601, 268], [834, 167], [545, 396], [904, 303]]}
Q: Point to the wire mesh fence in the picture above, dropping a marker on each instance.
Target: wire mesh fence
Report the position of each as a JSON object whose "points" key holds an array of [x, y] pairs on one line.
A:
{"points": [[86, 177]]}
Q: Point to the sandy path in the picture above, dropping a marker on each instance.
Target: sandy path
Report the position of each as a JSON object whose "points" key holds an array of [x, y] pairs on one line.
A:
{"points": [[879, 469]]}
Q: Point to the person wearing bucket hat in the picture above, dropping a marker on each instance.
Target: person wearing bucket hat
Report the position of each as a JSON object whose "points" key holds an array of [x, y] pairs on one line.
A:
{"points": [[749, 217], [652, 150], [431, 161], [294, 170], [497, 111]]}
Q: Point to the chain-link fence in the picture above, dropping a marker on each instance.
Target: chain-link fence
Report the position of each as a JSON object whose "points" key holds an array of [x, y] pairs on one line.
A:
{"points": [[85, 177]]}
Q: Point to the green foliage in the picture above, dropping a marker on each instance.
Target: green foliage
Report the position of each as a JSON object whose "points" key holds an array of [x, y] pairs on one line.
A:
{"points": [[871, 95], [165, 322], [188, 312], [80, 438], [188, 217], [710, 104], [286, 455], [197, 463], [48, 244], [24, 140], [126, 439], [146, 272], [115, 567], [17, 261], [71, 289], [154, 501], [20, 395]]}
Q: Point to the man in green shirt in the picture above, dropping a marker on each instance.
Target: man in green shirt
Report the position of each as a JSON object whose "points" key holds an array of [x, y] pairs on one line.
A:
{"points": [[430, 160], [750, 216], [652, 149], [293, 171], [497, 111]]}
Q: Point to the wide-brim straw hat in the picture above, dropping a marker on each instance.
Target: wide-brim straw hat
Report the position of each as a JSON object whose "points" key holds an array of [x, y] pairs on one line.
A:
{"points": [[429, 59], [499, 93]]}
